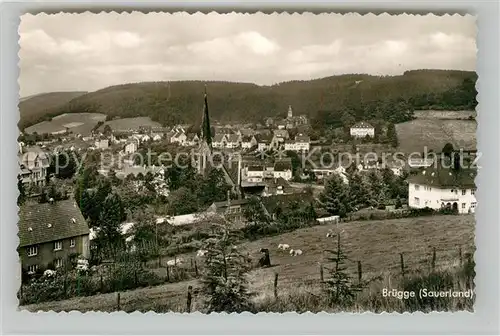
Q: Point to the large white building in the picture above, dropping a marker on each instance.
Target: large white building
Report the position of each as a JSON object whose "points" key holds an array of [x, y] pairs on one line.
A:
{"points": [[362, 129], [443, 188]]}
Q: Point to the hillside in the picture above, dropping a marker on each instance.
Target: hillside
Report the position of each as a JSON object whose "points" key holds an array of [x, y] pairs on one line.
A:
{"points": [[37, 106], [363, 96], [376, 244]]}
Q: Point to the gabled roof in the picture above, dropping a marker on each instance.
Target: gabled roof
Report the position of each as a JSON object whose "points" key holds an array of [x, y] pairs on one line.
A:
{"points": [[255, 168], [281, 133], [282, 166], [444, 177], [247, 138], [64, 218], [232, 138], [362, 124], [219, 137]]}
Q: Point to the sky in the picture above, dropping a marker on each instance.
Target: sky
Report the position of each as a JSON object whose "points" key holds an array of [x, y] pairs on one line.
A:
{"points": [[87, 52]]}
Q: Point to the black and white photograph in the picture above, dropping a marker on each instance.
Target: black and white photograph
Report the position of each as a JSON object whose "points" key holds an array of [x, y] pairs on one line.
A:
{"points": [[176, 162]]}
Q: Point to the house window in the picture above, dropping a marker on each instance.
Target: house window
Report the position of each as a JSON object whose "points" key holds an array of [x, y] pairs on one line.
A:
{"points": [[72, 243], [417, 187], [32, 251], [57, 245], [32, 269], [58, 263], [416, 201], [473, 191], [463, 205], [473, 204], [464, 191]]}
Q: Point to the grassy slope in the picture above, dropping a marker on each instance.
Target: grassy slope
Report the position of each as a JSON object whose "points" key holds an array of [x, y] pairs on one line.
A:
{"points": [[376, 243], [41, 104]]}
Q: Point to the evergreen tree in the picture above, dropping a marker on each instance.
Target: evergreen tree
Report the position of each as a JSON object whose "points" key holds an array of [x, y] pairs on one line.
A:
{"points": [[110, 217], [224, 285], [335, 197], [339, 287], [358, 190], [392, 135]]}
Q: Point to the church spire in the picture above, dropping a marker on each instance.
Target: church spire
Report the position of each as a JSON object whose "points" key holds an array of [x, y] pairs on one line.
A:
{"points": [[206, 135]]}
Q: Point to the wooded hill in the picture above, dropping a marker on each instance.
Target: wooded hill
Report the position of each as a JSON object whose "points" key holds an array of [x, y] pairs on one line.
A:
{"points": [[324, 100], [40, 107]]}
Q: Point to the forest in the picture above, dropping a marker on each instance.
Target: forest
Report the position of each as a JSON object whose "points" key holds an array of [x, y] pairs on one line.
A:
{"points": [[324, 100]]}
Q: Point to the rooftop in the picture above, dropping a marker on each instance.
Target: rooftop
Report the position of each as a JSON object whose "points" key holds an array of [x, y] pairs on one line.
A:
{"points": [[444, 177], [45, 222]]}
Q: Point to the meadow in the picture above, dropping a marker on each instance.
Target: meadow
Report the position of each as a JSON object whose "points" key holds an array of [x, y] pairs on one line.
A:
{"points": [[78, 123], [414, 135], [376, 244]]}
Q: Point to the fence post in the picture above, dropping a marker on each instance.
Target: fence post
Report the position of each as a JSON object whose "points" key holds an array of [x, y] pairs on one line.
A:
{"points": [[402, 264], [191, 261], [321, 272], [195, 268], [168, 274], [189, 298], [360, 271], [460, 256], [159, 260], [118, 301], [275, 285], [433, 264]]}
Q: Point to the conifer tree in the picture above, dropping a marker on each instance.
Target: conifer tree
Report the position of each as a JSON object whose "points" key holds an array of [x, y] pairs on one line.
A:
{"points": [[339, 287], [335, 197], [224, 285]]}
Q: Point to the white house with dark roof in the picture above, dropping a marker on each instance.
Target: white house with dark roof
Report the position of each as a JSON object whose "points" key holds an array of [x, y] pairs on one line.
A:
{"points": [[33, 165], [219, 140], [438, 188], [283, 169], [362, 129], [301, 143], [233, 141], [248, 142]]}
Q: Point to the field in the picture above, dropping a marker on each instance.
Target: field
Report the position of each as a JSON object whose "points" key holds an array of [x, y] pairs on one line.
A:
{"points": [[414, 135], [131, 123], [433, 114], [78, 123], [376, 244]]}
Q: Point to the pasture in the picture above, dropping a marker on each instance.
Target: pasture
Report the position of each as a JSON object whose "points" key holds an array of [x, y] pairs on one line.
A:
{"points": [[414, 135], [127, 124], [78, 123], [433, 114], [376, 244]]}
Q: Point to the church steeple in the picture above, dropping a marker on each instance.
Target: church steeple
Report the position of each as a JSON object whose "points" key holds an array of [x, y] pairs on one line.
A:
{"points": [[290, 112], [206, 135]]}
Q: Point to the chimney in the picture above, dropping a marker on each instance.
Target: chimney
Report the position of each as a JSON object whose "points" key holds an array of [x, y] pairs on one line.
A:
{"points": [[228, 197]]}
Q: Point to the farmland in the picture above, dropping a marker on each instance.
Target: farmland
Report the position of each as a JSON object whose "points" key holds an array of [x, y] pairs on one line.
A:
{"points": [[433, 114], [414, 135], [125, 124], [376, 244], [78, 123]]}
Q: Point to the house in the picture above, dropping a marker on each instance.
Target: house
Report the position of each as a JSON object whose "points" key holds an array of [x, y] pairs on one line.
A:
{"points": [[131, 146], [254, 173], [301, 143], [157, 137], [283, 169], [263, 142], [33, 164], [219, 140], [248, 141], [49, 233], [178, 138], [362, 129], [102, 144], [233, 141], [192, 140], [232, 210], [277, 186], [439, 188]]}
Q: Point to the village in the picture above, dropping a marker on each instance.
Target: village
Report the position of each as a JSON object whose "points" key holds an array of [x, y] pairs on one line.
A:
{"points": [[77, 209]]}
